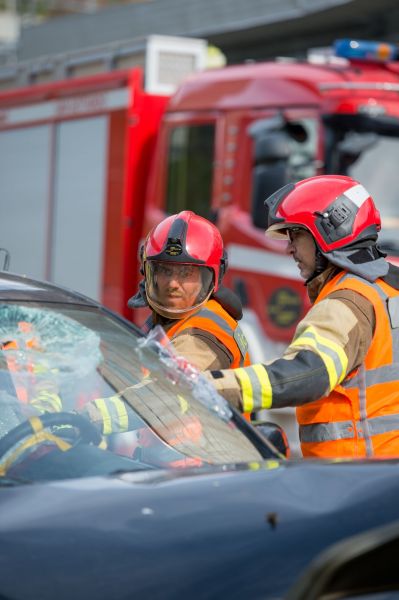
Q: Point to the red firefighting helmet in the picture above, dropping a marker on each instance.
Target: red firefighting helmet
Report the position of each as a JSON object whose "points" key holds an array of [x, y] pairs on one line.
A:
{"points": [[337, 210], [184, 239]]}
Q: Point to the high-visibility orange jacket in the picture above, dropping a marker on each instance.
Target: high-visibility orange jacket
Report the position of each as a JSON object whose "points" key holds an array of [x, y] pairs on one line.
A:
{"points": [[29, 380], [21, 390], [360, 416], [213, 318]]}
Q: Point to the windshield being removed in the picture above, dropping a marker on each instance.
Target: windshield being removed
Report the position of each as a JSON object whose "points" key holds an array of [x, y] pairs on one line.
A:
{"points": [[75, 377]]}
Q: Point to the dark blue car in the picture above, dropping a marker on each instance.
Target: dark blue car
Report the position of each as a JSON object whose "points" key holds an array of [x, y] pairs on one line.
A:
{"points": [[124, 475]]}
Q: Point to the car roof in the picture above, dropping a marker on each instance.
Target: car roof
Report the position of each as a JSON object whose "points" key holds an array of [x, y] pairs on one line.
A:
{"points": [[20, 287]]}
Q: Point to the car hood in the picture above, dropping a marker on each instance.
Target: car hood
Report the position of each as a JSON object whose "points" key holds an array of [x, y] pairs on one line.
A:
{"points": [[243, 531]]}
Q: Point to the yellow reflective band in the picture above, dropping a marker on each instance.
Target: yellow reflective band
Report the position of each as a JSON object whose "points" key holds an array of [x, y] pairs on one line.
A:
{"points": [[36, 424], [271, 464], [122, 413], [106, 417], [265, 385], [53, 399], [39, 436], [45, 436], [315, 342], [253, 466], [327, 360], [184, 405], [246, 390]]}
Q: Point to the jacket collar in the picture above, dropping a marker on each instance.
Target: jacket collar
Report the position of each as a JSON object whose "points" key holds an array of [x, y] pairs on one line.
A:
{"points": [[316, 284]]}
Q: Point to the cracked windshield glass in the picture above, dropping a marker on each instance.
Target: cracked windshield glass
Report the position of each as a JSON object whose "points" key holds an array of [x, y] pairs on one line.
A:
{"points": [[81, 394]]}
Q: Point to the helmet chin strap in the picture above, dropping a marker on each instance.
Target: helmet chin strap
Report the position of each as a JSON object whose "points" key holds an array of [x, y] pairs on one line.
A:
{"points": [[321, 264]]}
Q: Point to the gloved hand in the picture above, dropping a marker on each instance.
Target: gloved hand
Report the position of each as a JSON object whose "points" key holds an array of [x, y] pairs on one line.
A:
{"points": [[45, 401], [226, 385]]}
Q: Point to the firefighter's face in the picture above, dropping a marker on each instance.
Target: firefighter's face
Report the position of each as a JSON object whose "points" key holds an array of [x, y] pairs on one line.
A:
{"points": [[302, 248], [178, 286]]}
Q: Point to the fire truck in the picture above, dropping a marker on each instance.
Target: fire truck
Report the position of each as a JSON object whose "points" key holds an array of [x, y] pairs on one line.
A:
{"points": [[90, 162]]}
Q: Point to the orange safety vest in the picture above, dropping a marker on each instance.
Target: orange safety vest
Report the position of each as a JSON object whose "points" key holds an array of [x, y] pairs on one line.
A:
{"points": [[214, 319], [360, 417], [31, 343]]}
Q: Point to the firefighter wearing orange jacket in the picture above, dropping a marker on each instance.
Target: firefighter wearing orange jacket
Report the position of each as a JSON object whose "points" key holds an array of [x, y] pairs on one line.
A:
{"points": [[184, 263], [341, 369], [34, 384]]}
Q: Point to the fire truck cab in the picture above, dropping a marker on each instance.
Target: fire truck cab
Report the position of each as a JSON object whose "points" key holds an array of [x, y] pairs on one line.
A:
{"points": [[230, 137]]}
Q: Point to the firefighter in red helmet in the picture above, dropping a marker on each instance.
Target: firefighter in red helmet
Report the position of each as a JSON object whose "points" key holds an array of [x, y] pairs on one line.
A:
{"points": [[183, 264], [341, 369]]}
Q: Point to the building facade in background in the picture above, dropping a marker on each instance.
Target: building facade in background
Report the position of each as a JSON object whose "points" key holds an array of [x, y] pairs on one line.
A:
{"points": [[252, 30]]}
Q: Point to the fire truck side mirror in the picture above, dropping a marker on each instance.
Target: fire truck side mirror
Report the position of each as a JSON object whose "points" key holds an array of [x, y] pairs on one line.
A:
{"points": [[270, 171]]}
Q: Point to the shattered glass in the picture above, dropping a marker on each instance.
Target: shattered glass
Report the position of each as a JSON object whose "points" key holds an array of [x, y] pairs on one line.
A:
{"points": [[151, 407]]}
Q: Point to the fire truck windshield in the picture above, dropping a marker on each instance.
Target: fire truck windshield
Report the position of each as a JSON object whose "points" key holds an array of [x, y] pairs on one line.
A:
{"points": [[377, 169], [366, 147]]}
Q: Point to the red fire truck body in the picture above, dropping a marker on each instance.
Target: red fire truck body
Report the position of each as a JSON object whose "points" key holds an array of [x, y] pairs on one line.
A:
{"points": [[256, 127], [89, 165], [74, 165]]}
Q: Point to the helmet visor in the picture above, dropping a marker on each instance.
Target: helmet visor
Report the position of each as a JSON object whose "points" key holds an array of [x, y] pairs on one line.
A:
{"points": [[174, 289], [279, 231]]}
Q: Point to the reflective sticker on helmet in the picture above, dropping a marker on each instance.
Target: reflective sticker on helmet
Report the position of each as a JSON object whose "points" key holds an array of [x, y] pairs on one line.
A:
{"points": [[358, 194], [174, 249]]}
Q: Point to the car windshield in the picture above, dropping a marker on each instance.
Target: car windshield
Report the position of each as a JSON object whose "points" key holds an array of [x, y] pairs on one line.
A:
{"points": [[81, 393]]}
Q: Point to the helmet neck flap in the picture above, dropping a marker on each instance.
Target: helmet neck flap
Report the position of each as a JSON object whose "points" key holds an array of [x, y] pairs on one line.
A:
{"points": [[366, 261]]}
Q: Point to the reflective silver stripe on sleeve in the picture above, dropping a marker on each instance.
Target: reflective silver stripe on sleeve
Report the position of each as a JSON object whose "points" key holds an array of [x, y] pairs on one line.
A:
{"points": [[327, 350], [118, 425], [256, 388], [341, 430]]}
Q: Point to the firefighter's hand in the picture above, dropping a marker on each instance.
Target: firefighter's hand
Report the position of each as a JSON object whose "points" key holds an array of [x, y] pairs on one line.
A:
{"points": [[47, 402], [226, 385]]}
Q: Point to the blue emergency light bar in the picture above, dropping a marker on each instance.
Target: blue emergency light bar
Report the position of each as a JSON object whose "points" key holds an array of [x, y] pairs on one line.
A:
{"points": [[365, 50]]}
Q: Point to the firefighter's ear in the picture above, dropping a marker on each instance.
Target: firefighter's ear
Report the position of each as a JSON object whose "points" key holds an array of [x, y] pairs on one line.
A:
{"points": [[224, 263]]}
